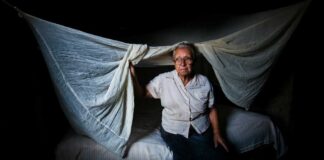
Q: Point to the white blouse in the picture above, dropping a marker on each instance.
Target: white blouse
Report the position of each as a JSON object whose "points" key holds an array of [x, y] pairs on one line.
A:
{"points": [[184, 106]]}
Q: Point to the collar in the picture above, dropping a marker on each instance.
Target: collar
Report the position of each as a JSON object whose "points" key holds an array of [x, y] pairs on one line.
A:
{"points": [[193, 83]]}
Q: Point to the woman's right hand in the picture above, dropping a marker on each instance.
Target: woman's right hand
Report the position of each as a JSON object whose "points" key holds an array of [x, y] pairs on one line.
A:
{"points": [[142, 92], [132, 69]]}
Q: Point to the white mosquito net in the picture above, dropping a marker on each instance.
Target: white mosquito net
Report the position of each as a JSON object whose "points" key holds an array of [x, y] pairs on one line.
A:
{"points": [[92, 79]]}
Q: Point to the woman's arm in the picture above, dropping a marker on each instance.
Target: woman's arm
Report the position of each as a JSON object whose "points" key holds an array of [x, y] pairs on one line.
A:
{"points": [[218, 139], [139, 90]]}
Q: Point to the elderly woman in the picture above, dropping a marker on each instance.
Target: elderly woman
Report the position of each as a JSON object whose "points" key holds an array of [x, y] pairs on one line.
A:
{"points": [[189, 118]]}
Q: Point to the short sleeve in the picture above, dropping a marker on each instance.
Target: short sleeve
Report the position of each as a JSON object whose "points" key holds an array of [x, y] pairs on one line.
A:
{"points": [[211, 98], [154, 87]]}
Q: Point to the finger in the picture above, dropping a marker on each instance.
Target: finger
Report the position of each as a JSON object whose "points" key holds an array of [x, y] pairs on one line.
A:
{"points": [[215, 144], [224, 146]]}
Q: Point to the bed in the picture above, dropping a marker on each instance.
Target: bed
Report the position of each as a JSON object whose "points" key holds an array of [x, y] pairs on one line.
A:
{"points": [[244, 131]]}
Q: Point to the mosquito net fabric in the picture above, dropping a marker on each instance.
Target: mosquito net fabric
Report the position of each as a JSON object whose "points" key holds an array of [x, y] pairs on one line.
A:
{"points": [[92, 79]]}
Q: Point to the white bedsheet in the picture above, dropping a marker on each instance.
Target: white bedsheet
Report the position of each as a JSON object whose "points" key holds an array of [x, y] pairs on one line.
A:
{"points": [[150, 147], [244, 131]]}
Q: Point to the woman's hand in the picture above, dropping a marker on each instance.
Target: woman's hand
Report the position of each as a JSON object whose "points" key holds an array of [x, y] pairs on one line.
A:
{"points": [[219, 140], [132, 69]]}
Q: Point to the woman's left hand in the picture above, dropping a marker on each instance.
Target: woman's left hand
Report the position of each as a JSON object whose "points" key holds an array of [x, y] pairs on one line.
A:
{"points": [[219, 140]]}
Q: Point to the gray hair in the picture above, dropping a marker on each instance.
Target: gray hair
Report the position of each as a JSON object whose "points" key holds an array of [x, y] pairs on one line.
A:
{"points": [[187, 45]]}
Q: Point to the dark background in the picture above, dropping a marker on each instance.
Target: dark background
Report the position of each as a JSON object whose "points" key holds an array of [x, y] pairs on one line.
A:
{"points": [[33, 122]]}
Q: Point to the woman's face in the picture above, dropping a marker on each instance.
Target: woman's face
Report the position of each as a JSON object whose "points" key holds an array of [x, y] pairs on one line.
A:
{"points": [[183, 61]]}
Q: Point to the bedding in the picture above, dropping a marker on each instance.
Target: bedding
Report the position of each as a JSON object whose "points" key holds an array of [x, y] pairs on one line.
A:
{"points": [[244, 130]]}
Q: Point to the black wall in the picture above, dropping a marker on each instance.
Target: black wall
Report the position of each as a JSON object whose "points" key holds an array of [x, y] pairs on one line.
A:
{"points": [[33, 122]]}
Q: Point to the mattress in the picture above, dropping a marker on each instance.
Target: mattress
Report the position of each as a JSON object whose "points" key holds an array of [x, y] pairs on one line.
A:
{"points": [[243, 130]]}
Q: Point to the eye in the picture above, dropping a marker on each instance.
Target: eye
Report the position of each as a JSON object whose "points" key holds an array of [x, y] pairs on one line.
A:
{"points": [[187, 60]]}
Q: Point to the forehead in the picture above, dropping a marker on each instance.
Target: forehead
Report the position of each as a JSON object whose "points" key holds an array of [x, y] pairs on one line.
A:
{"points": [[182, 52]]}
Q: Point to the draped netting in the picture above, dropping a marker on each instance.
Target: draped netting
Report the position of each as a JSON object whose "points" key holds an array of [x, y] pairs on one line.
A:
{"points": [[92, 79]]}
